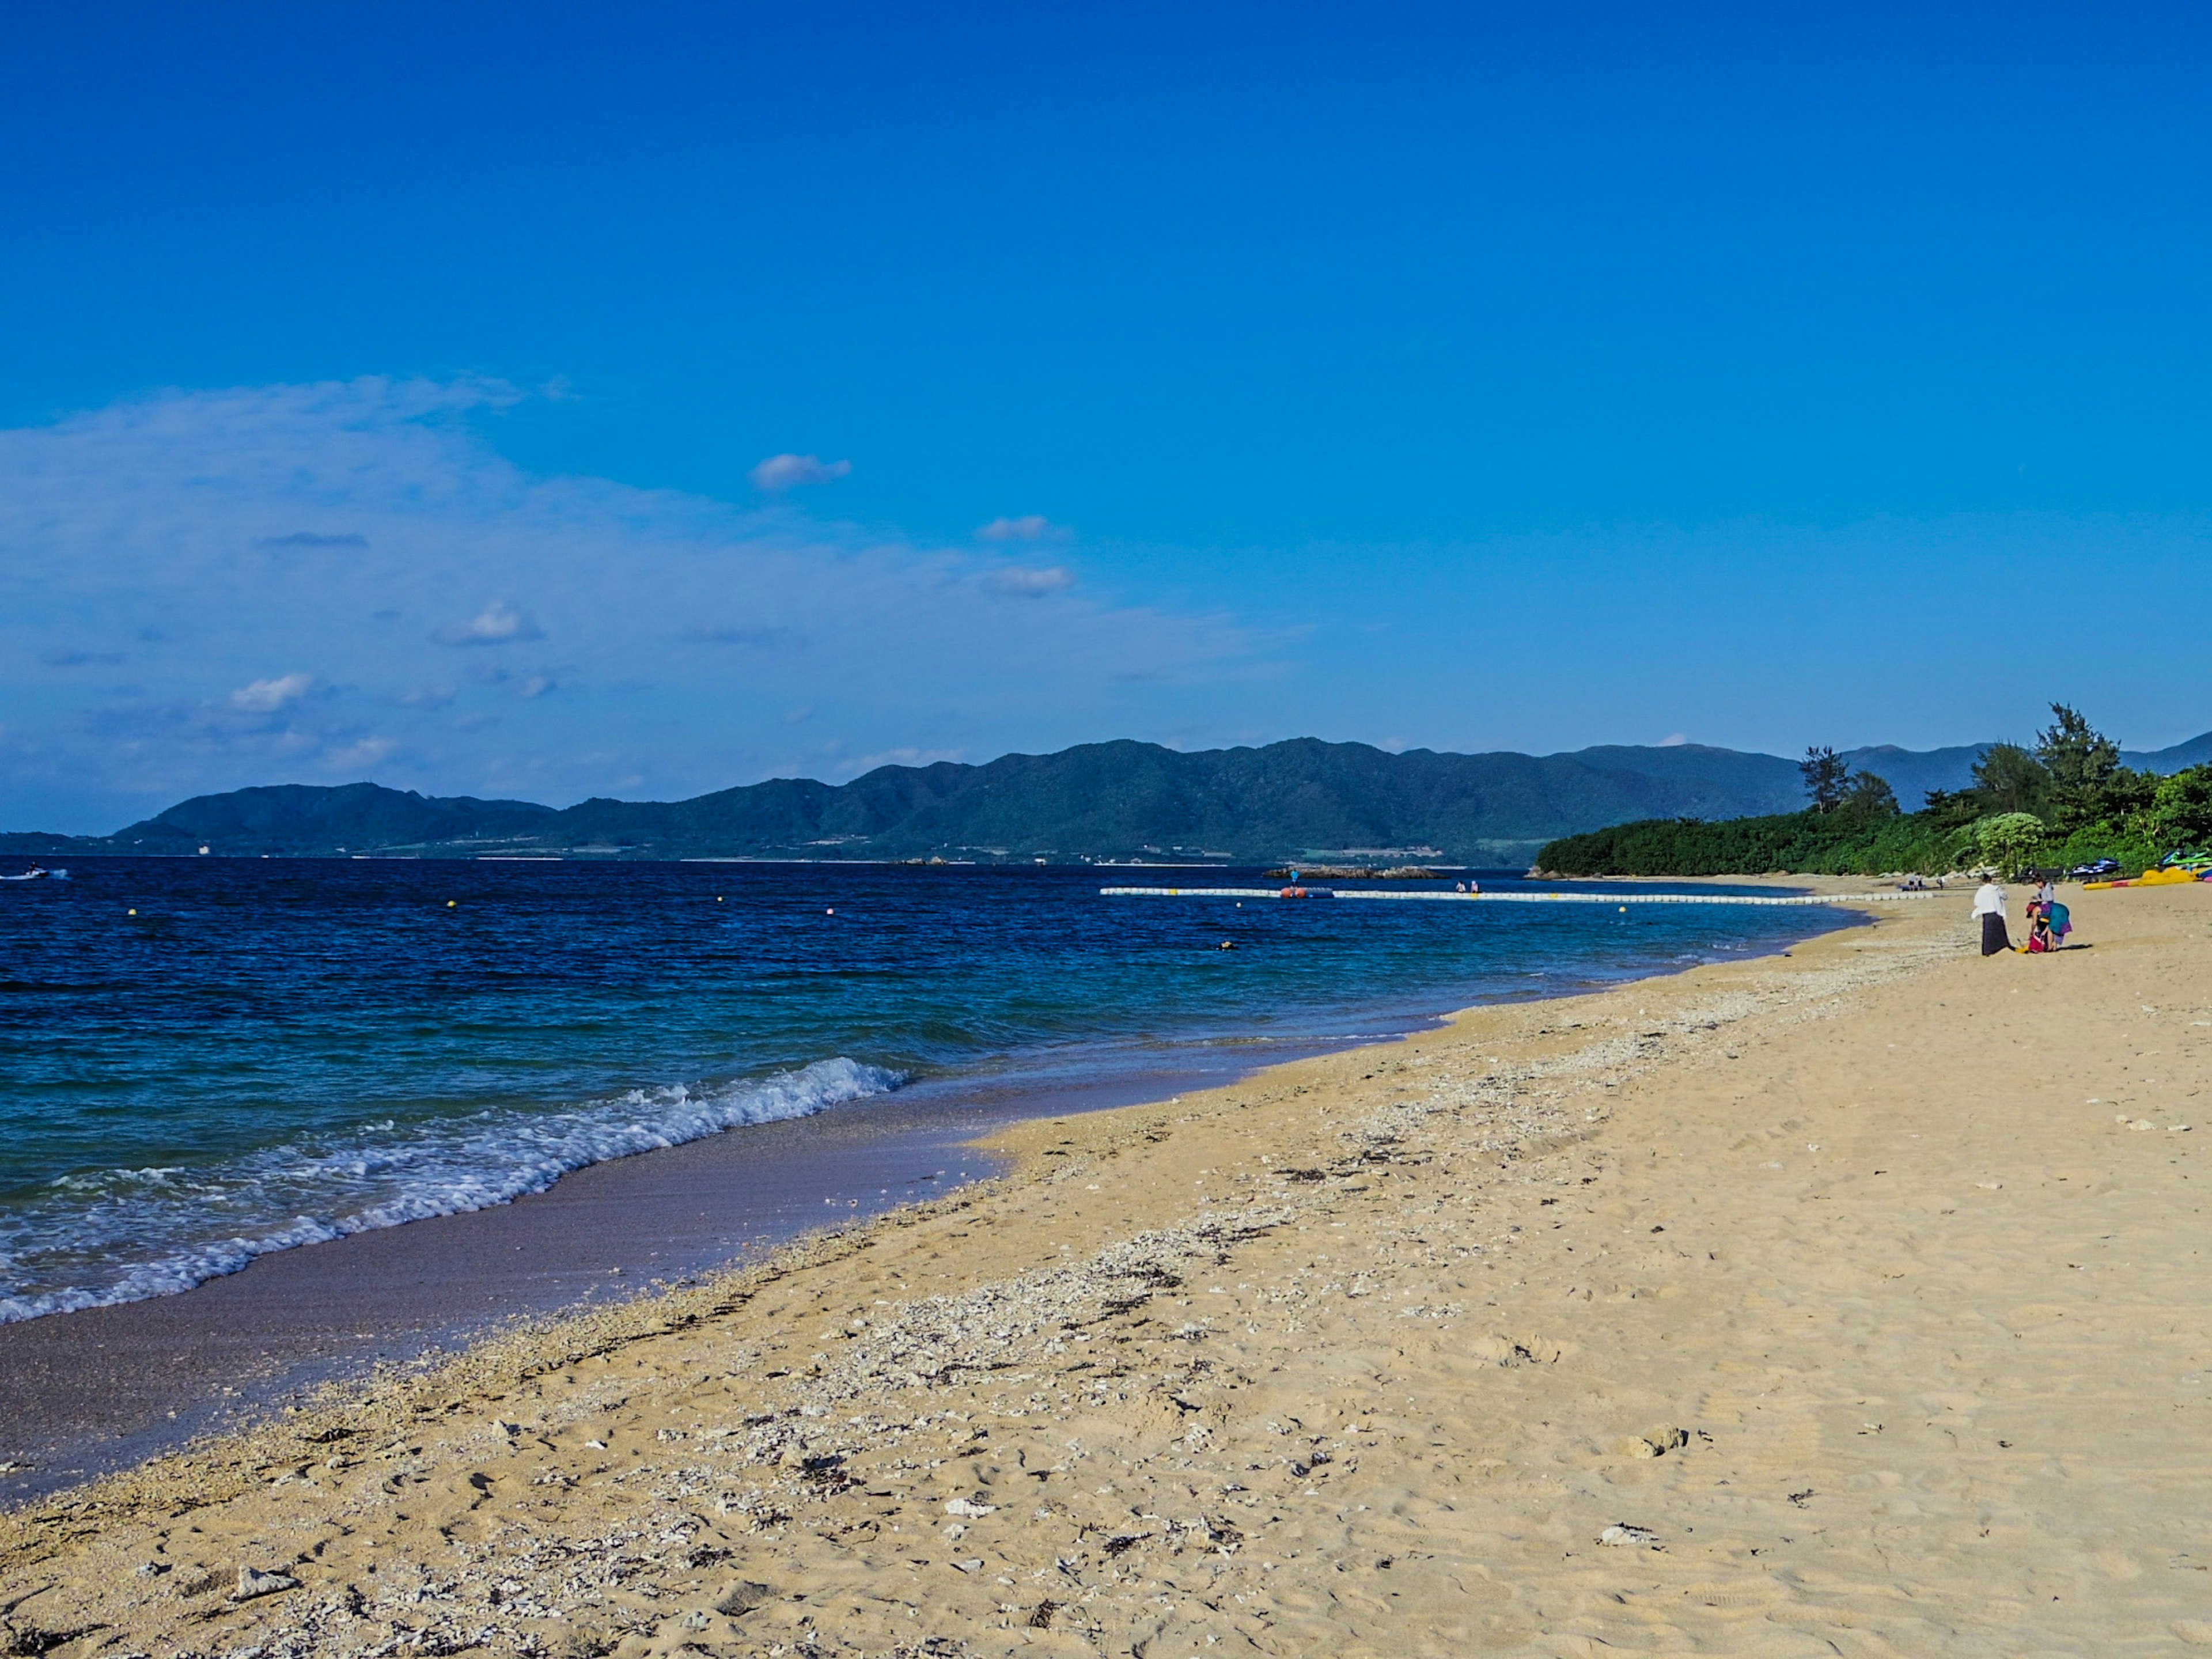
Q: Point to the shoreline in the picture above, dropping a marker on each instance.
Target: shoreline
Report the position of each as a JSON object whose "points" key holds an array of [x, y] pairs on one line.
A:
{"points": [[1789, 1304], [96, 1391], [93, 1392], [424, 1336]]}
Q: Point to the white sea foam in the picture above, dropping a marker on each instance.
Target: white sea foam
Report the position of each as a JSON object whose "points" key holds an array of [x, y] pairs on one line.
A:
{"points": [[124, 1235]]}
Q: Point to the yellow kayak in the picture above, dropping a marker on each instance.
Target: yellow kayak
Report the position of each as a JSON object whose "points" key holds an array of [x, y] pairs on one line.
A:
{"points": [[2148, 878]]}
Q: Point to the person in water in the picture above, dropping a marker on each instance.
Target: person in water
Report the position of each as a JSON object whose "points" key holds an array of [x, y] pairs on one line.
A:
{"points": [[1989, 908]]}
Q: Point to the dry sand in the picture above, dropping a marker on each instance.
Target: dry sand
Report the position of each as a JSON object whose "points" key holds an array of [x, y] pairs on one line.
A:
{"points": [[1849, 1302]]}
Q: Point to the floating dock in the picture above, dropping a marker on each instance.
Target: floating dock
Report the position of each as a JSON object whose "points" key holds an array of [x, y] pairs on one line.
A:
{"points": [[1430, 896]]}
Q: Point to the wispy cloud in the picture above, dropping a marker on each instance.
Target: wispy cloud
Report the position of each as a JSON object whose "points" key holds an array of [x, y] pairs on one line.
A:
{"points": [[497, 623], [758, 637], [1031, 527], [267, 697], [155, 519], [359, 757], [1033, 584], [308, 538], [781, 472]]}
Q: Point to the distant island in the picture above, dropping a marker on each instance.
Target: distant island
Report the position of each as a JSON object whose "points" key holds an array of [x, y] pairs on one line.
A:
{"points": [[1305, 799]]}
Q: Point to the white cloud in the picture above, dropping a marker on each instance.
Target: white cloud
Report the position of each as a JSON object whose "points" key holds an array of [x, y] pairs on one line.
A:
{"points": [[497, 623], [144, 519], [267, 697], [1673, 742], [780, 472], [1032, 584], [1030, 527], [358, 757]]}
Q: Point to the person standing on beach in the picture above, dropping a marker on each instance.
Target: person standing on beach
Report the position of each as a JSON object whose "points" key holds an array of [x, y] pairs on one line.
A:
{"points": [[1990, 905]]}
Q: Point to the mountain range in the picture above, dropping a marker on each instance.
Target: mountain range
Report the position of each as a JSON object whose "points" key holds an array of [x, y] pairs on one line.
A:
{"points": [[1300, 798]]}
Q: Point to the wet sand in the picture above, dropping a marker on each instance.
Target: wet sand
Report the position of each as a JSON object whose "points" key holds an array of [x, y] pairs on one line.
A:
{"points": [[88, 1393], [1851, 1302]]}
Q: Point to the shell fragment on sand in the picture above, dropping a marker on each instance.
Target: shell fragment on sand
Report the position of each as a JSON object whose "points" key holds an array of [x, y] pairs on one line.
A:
{"points": [[742, 1597], [252, 1582]]}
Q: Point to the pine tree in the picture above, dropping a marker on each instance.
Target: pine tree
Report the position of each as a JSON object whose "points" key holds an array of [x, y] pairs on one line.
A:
{"points": [[1826, 776]]}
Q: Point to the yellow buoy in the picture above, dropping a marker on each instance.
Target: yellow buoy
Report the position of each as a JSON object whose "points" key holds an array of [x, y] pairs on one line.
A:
{"points": [[134, 913], [451, 903]]}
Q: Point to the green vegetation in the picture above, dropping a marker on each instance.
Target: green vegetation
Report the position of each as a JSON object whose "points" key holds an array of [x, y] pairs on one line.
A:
{"points": [[2068, 801]]}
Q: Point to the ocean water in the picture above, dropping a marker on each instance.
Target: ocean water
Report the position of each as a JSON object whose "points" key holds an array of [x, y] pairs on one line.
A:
{"points": [[204, 1060]]}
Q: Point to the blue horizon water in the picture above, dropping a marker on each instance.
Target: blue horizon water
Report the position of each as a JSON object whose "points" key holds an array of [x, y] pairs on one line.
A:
{"points": [[272, 1053]]}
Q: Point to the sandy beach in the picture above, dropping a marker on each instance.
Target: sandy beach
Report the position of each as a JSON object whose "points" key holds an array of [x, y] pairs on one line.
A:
{"points": [[1847, 1302]]}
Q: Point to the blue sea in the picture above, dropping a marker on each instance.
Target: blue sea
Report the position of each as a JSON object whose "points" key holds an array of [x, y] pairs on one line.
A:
{"points": [[204, 1060]]}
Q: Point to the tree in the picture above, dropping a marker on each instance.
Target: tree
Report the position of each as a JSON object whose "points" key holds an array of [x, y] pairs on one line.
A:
{"points": [[2009, 840], [1951, 809], [1826, 774], [1870, 797], [2008, 779], [2181, 815], [2081, 762]]}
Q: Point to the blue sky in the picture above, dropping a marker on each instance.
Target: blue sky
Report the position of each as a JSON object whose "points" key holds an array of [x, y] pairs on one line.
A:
{"points": [[385, 390]]}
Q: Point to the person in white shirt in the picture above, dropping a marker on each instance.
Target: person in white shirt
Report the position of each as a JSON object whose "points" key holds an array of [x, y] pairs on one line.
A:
{"points": [[1990, 905]]}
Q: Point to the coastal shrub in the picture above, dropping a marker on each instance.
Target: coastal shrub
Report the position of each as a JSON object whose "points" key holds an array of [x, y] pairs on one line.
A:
{"points": [[2066, 802], [2092, 841], [1839, 841], [2010, 841], [2181, 810]]}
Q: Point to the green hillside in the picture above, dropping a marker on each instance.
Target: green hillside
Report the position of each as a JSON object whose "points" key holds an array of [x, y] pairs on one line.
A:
{"points": [[1682, 808], [1100, 800]]}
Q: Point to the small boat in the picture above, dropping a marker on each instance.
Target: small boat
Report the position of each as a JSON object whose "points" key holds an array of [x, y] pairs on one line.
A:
{"points": [[37, 873]]}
